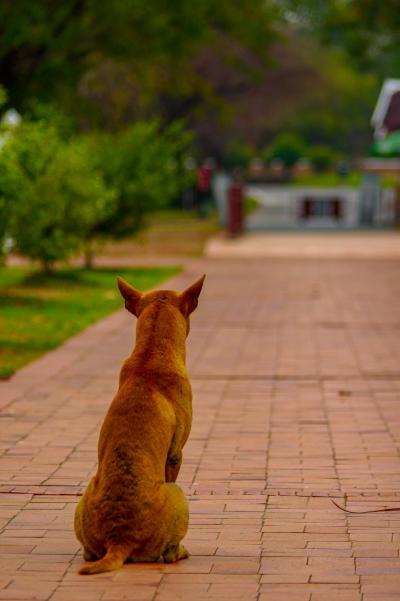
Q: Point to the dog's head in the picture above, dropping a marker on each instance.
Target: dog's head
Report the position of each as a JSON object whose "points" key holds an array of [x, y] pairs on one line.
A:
{"points": [[185, 302]]}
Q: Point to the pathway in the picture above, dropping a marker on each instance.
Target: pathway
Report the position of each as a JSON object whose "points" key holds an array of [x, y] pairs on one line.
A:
{"points": [[373, 244], [295, 366]]}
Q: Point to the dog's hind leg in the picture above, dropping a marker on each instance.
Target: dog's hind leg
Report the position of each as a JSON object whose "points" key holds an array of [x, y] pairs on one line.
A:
{"points": [[178, 523], [173, 465]]}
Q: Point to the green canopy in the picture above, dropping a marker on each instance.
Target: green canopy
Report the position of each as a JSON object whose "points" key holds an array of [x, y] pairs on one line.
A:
{"points": [[387, 147]]}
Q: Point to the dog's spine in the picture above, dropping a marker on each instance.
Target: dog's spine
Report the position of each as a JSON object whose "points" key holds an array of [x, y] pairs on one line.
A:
{"points": [[112, 560]]}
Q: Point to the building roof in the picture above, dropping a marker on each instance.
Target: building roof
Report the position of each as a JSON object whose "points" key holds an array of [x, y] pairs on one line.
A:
{"points": [[386, 116]]}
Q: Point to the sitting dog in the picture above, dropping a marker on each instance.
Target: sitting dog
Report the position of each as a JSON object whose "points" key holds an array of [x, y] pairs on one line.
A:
{"points": [[131, 509]]}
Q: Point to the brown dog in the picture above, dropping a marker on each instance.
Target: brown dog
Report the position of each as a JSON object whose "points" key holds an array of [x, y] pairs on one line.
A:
{"points": [[131, 509]]}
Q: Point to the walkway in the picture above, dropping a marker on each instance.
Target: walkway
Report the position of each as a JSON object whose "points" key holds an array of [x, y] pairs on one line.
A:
{"points": [[295, 366], [329, 244]]}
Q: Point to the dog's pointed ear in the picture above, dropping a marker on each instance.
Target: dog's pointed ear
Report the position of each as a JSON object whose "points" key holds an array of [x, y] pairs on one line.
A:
{"points": [[190, 295], [131, 296]]}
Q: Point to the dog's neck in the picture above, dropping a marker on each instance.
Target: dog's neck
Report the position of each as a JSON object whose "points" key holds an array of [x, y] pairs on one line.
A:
{"points": [[160, 338]]}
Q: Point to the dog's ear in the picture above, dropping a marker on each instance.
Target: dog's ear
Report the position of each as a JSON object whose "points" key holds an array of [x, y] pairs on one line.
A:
{"points": [[131, 295], [190, 295]]}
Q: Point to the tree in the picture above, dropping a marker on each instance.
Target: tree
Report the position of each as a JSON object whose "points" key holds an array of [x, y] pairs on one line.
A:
{"points": [[46, 47], [144, 164], [367, 30], [338, 109], [53, 192], [236, 71], [8, 184]]}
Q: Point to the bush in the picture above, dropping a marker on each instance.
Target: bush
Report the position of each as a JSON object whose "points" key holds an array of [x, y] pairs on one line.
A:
{"points": [[8, 183], [4, 204], [144, 163], [237, 156], [287, 147], [58, 195], [322, 157], [53, 193]]}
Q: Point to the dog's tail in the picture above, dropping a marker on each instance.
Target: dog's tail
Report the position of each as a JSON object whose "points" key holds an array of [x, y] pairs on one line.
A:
{"points": [[112, 560]]}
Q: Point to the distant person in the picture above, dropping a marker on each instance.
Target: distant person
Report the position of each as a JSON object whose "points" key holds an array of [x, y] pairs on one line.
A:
{"points": [[204, 173]]}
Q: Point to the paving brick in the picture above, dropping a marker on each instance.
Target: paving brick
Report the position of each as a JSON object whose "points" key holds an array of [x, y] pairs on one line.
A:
{"points": [[286, 596], [337, 595], [295, 372]]}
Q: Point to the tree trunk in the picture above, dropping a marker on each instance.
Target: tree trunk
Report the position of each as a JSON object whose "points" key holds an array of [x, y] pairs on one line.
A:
{"points": [[88, 254], [48, 266]]}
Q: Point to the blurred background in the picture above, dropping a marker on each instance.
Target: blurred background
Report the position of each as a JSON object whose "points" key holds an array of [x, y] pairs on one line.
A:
{"points": [[134, 128]]}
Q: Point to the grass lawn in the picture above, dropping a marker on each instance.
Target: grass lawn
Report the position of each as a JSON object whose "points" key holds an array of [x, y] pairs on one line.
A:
{"points": [[331, 180], [167, 233], [38, 312], [328, 180]]}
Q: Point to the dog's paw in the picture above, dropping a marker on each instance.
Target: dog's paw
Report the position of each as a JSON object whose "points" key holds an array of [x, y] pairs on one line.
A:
{"points": [[175, 553], [88, 555]]}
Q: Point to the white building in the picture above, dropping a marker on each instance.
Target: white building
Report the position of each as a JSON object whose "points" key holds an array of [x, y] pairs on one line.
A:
{"points": [[341, 207], [386, 116]]}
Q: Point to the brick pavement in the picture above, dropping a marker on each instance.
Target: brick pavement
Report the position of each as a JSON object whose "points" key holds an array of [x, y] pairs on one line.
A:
{"points": [[295, 367], [333, 244]]}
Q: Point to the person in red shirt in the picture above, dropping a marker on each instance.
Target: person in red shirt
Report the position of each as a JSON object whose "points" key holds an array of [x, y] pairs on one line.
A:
{"points": [[203, 187]]}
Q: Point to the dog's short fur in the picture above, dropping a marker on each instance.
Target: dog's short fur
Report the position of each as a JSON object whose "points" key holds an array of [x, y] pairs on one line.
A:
{"points": [[131, 509]]}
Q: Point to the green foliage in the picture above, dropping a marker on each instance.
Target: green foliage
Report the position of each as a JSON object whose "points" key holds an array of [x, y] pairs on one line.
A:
{"points": [[388, 147], [322, 157], [52, 115], [53, 193], [250, 205], [366, 29], [113, 62], [144, 163], [237, 156], [338, 111], [327, 179], [3, 96], [288, 147], [40, 311], [58, 195], [46, 47], [4, 206], [8, 185]]}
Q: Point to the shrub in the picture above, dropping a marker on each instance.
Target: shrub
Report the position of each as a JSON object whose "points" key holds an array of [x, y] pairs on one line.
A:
{"points": [[144, 164], [58, 195], [8, 183], [237, 156], [5, 212], [322, 157], [287, 147], [54, 194]]}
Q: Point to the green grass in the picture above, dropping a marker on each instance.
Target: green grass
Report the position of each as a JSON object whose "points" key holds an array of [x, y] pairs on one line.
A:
{"points": [[38, 312], [331, 180], [250, 205], [168, 233], [328, 179]]}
